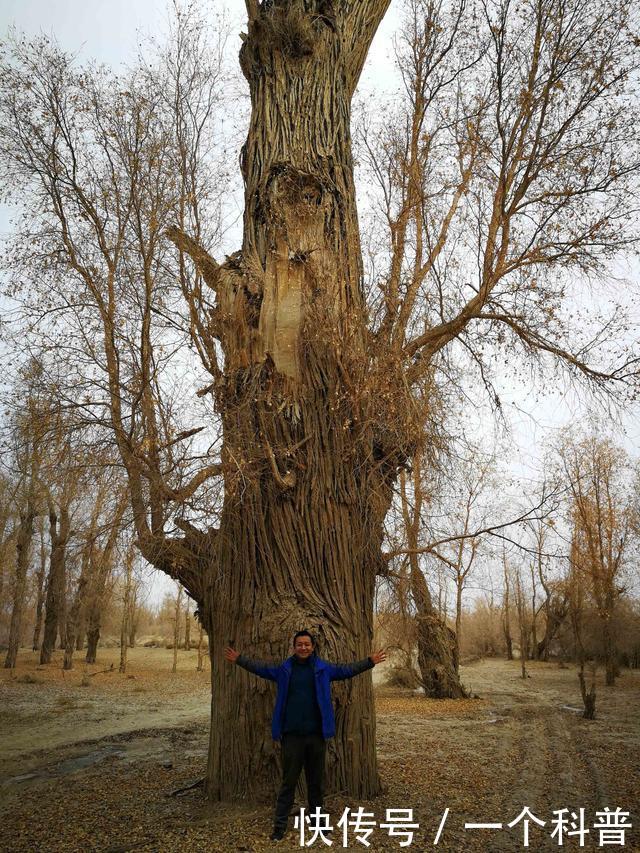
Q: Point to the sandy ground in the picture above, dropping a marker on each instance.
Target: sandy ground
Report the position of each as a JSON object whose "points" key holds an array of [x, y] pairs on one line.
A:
{"points": [[90, 767]]}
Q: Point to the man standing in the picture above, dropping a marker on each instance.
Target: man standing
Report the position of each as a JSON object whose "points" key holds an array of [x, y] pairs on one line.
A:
{"points": [[303, 717]]}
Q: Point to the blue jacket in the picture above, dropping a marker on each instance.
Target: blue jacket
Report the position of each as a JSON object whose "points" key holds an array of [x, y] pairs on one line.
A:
{"points": [[325, 673]]}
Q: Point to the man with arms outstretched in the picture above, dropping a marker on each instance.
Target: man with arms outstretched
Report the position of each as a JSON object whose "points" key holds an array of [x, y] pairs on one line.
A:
{"points": [[303, 717]]}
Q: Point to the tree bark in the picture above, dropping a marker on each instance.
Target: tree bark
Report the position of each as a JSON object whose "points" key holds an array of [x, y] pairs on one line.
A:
{"points": [[93, 638], [588, 695], [23, 547], [556, 608]]}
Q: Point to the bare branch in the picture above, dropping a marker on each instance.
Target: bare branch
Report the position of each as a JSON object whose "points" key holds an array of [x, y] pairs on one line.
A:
{"points": [[207, 266]]}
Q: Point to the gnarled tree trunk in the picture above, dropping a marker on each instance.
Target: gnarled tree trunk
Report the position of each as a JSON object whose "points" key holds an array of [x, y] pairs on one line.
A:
{"points": [[307, 483], [437, 647]]}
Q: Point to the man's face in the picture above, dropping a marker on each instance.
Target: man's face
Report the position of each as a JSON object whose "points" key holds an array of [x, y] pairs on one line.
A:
{"points": [[303, 647]]}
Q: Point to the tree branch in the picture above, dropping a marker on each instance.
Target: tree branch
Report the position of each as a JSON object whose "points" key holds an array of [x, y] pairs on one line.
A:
{"points": [[432, 546], [361, 19], [536, 341], [208, 267]]}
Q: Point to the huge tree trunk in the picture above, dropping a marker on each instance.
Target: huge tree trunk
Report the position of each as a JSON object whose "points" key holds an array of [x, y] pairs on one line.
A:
{"points": [[306, 488], [23, 546], [56, 584]]}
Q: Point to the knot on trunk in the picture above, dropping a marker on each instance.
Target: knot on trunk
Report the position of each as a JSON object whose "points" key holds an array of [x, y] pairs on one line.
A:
{"points": [[291, 28], [293, 196]]}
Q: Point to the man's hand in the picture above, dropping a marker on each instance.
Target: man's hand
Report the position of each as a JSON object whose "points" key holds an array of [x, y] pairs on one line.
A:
{"points": [[378, 657], [231, 654]]}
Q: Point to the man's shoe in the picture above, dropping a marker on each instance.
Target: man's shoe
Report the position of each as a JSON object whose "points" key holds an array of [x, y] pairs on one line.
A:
{"points": [[277, 834]]}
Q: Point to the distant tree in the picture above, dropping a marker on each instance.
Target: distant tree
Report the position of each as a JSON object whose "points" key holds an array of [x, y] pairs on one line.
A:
{"points": [[604, 513], [127, 595], [577, 595], [41, 589], [506, 608]]}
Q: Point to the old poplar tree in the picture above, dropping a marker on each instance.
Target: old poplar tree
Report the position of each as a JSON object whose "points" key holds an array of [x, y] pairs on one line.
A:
{"points": [[322, 392]]}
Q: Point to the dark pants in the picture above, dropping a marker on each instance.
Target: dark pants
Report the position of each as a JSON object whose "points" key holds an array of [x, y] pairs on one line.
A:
{"points": [[300, 751]]}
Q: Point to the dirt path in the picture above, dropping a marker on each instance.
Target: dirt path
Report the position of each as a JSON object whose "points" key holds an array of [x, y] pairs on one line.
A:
{"points": [[45, 709], [520, 744]]}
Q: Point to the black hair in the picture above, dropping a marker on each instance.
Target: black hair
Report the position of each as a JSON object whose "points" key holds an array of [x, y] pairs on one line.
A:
{"points": [[304, 634]]}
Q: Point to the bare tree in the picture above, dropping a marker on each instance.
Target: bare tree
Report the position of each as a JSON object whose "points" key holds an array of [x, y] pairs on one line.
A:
{"points": [[525, 618], [437, 650], [516, 173], [55, 602], [555, 605], [604, 514], [472, 480], [576, 586], [506, 608], [126, 607], [23, 544], [100, 554]]}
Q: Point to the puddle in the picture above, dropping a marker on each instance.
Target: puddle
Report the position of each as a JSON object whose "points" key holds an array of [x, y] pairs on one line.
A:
{"points": [[64, 768], [130, 751]]}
